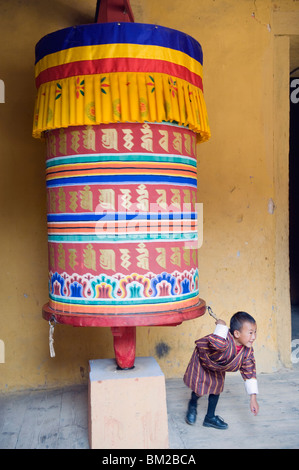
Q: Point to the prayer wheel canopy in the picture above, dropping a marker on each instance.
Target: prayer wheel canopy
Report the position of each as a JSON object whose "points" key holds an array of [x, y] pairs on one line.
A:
{"points": [[121, 108], [119, 72]]}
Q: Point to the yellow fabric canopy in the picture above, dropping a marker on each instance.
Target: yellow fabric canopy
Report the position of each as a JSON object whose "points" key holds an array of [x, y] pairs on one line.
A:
{"points": [[120, 97], [119, 72]]}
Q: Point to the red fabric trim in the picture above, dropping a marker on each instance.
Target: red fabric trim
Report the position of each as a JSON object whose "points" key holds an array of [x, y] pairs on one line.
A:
{"points": [[102, 66]]}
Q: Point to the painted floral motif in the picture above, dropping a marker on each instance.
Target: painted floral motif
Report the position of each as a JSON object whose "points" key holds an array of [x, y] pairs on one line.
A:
{"points": [[104, 287], [116, 107], [134, 286], [57, 284], [163, 285], [173, 87], [124, 287], [80, 86], [58, 91], [104, 85], [90, 111], [151, 84], [143, 107]]}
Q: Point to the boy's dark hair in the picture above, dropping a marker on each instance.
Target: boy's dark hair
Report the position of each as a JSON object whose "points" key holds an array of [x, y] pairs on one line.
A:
{"points": [[237, 320]]}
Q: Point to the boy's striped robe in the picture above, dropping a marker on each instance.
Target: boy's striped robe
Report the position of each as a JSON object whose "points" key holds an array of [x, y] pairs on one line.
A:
{"points": [[214, 355]]}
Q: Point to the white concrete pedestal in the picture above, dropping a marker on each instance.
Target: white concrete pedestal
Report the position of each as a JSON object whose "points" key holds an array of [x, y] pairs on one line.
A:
{"points": [[127, 408]]}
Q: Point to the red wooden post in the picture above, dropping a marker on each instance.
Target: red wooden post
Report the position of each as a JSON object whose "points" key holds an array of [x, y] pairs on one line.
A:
{"points": [[124, 341], [109, 11]]}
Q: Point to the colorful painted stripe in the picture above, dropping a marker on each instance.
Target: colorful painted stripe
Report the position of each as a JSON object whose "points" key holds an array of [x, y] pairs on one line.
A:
{"points": [[132, 308], [120, 225], [119, 302], [109, 168], [119, 157], [123, 237], [123, 179], [116, 216], [122, 229]]}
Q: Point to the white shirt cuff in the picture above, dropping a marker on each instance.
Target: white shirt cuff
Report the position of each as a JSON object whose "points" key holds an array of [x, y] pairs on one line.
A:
{"points": [[251, 386], [221, 330]]}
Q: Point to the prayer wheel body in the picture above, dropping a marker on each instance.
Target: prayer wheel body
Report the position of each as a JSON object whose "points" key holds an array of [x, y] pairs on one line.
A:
{"points": [[121, 108]]}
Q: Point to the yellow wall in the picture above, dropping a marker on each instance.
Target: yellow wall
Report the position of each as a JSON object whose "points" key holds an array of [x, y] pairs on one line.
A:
{"points": [[243, 262]]}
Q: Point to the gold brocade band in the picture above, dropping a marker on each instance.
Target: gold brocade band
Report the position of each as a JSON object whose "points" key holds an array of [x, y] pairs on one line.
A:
{"points": [[120, 97]]}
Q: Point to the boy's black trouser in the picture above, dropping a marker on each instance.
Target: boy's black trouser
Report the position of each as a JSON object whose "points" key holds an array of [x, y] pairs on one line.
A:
{"points": [[212, 403]]}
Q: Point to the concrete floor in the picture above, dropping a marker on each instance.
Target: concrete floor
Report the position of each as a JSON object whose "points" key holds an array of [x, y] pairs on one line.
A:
{"points": [[58, 419]]}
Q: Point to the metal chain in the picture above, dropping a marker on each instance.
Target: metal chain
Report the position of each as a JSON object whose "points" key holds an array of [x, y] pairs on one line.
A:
{"points": [[210, 311], [51, 338]]}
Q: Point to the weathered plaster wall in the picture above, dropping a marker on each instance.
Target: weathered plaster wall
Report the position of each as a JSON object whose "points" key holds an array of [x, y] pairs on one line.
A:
{"points": [[243, 262]]}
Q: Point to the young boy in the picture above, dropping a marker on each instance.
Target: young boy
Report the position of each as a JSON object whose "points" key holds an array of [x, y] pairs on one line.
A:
{"points": [[226, 350]]}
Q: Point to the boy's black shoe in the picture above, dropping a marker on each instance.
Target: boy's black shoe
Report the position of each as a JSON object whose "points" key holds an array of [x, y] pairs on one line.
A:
{"points": [[215, 422], [191, 414]]}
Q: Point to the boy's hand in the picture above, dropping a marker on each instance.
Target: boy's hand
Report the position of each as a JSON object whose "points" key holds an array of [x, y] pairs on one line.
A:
{"points": [[254, 407], [220, 322]]}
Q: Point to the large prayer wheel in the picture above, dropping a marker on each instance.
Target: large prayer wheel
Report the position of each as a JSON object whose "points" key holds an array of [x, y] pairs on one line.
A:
{"points": [[121, 108]]}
